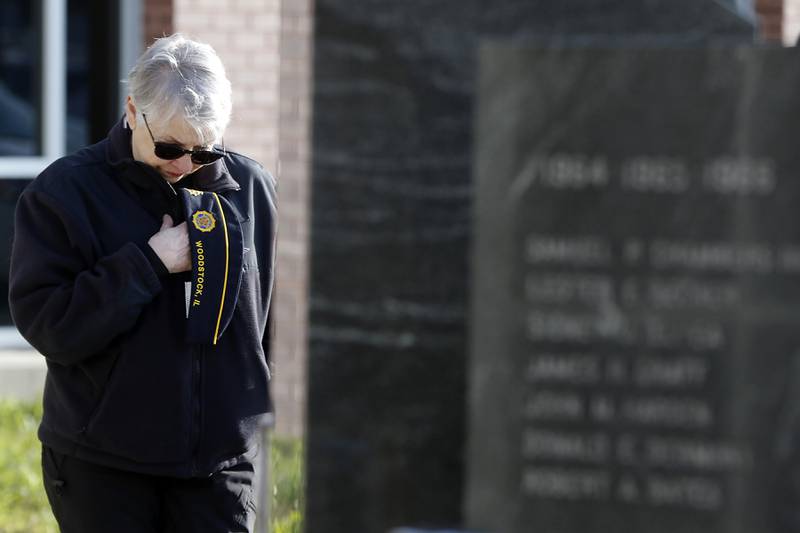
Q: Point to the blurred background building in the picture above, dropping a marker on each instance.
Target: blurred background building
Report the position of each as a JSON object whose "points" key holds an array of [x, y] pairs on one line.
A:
{"points": [[61, 62]]}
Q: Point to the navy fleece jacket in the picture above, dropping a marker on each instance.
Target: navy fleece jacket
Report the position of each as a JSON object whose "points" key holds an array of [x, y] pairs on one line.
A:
{"points": [[124, 389]]}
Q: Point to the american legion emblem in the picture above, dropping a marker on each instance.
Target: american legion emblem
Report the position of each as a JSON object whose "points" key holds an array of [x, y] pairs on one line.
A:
{"points": [[203, 221]]}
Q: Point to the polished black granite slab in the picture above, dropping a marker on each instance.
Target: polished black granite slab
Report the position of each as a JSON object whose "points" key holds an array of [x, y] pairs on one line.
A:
{"points": [[391, 229], [635, 345]]}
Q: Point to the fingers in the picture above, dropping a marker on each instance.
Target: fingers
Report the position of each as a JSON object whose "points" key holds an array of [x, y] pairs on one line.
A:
{"points": [[171, 245], [183, 231]]}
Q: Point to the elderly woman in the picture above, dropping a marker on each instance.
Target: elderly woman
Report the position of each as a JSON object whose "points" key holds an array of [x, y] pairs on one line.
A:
{"points": [[142, 269]]}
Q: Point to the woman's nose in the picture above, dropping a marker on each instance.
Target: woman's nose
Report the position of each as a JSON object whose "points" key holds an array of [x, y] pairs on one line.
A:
{"points": [[184, 163]]}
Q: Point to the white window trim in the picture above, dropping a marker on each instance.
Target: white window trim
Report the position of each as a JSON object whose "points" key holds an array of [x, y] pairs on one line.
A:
{"points": [[131, 39], [54, 95]]}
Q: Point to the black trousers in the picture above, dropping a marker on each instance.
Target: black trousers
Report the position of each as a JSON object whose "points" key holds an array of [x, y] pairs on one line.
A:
{"points": [[89, 498]]}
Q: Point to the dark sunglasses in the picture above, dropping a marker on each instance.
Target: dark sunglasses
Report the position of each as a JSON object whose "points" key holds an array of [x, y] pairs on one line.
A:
{"points": [[174, 151]]}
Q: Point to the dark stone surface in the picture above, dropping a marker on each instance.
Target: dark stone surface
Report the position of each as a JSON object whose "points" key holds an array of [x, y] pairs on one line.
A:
{"points": [[636, 355], [391, 202]]}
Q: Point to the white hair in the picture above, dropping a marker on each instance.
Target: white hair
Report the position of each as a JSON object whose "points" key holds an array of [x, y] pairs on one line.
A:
{"points": [[179, 77]]}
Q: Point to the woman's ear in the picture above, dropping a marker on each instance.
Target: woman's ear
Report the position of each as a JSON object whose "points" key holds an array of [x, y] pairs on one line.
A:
{"points": [[130, 113]]}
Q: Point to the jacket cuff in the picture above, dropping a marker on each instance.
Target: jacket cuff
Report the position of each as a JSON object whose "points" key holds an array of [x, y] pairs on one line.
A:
{"points": [[158, 266]]}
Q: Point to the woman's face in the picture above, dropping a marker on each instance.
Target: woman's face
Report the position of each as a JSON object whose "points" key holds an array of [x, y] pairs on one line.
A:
{"points": [[177, 131]]}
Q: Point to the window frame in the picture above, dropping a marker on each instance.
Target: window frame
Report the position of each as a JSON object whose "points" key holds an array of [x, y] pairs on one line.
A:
{"points": [[53, 90]]}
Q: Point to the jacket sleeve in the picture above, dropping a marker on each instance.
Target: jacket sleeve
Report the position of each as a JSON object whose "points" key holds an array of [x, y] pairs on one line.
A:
{"points": [[268, 338], [271, 208], [66, 307]]}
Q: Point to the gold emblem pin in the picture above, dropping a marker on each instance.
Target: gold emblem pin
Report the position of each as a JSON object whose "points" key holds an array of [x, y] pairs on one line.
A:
{"points": [[204, 221]]}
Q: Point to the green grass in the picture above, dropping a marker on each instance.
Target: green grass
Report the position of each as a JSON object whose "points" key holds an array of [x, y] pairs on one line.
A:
{"points": [[23, 503], [287, 485]]}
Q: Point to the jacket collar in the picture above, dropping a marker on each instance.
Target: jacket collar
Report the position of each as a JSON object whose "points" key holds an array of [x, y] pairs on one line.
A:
{"points": [[214, 177]]}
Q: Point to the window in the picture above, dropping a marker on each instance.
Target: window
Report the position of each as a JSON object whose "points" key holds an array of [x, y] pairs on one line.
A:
{"points": [[60, 66], [77, 66], [19, 80]]}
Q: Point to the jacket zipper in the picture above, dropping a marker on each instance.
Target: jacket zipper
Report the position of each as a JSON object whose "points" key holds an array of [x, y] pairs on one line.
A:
{"points": [[197, 411]]}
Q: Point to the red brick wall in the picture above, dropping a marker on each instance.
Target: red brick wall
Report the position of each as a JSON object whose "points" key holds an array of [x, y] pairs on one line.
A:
{"points": [[294, 149], [157, 19], [769, 15], [245, 34]]}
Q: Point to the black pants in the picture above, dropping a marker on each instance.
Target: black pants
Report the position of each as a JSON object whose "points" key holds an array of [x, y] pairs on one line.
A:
{"points": [[88, 498]]}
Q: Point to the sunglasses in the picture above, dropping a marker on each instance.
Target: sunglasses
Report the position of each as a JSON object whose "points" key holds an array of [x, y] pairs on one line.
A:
{"points": [[172, 151]]}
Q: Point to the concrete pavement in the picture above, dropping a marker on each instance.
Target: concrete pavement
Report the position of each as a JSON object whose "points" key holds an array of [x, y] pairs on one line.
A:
{"points": [[22, 369]]}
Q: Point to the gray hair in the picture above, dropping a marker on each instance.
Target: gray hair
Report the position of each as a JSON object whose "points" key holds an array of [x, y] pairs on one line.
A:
{"points": [[176, 76]]}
